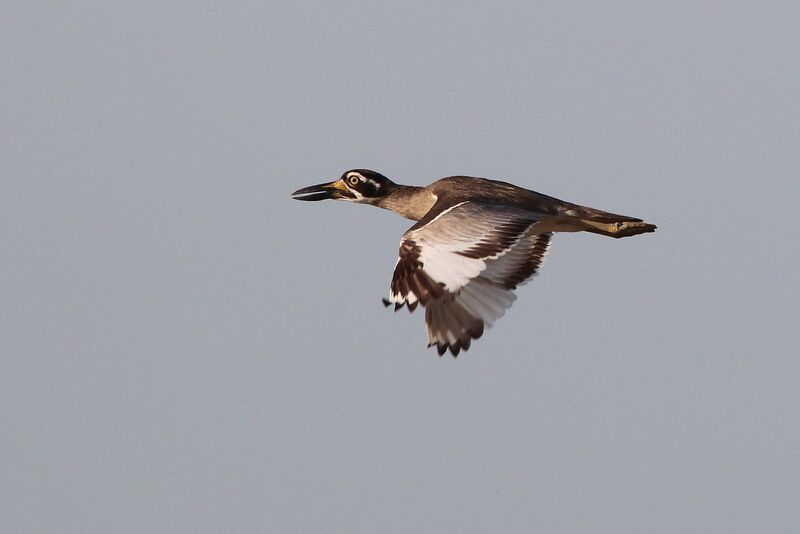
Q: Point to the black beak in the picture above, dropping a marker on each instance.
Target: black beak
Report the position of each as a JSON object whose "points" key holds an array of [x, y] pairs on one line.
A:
{"points": [[331, 190], [314, 192]]}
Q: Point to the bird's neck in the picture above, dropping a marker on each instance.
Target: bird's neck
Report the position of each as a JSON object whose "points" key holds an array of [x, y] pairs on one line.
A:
{"points": [[407, 200]]}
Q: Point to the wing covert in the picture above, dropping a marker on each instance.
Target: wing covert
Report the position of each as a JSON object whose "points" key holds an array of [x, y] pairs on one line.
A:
{"points": [[463, 265]]}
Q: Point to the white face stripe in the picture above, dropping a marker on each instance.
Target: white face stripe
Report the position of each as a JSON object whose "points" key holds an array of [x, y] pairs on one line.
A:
{"points": [[346, 182], [363, 179]]}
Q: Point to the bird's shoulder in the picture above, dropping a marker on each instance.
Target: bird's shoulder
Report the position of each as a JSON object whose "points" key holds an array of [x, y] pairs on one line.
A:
{"points": [[475, 188], [453, 190]]}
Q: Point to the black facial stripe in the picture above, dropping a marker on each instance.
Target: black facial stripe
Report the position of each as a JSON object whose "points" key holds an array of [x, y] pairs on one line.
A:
{"points": [[369, 185]]}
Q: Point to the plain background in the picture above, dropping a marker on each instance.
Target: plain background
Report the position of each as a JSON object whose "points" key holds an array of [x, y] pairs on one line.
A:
{"points": [[187, 349]]}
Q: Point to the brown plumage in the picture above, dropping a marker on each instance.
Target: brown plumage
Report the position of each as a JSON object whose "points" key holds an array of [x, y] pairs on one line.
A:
{"points": [[475, 241]]}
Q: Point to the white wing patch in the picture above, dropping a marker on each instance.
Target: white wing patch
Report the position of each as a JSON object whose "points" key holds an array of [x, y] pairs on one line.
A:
{"points": [[449, 268], [463, 266]]}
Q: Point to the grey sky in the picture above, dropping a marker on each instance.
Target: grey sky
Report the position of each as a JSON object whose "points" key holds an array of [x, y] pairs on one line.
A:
{"points": [[186, 349]]}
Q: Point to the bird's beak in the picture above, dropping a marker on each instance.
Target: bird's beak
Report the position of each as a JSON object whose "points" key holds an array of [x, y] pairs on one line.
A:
{"points": [[332, 190]]}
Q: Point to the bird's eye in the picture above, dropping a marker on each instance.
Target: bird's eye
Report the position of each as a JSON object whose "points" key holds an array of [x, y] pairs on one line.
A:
{"points": [[353, 180]]}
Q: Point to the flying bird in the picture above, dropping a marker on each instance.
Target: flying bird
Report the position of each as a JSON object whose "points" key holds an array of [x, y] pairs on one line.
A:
{"points": [[474, 242]]}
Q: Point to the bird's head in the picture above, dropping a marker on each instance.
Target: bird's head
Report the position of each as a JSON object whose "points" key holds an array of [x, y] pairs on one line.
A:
{"points": [[356, 185]]}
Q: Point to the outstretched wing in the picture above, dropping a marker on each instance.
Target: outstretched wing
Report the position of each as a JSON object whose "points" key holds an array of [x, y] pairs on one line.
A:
{"points": [[463, 266]]}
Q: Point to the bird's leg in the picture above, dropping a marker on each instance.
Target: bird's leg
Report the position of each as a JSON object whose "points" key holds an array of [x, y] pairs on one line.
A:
{"points": [[618, 229]]}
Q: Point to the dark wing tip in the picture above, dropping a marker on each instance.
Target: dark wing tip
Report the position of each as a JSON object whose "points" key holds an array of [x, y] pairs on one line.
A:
{"points": [[475, 332], [455, 348]]}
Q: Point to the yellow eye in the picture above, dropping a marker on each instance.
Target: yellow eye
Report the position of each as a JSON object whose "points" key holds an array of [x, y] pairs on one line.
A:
{"points": [[353, 180]]}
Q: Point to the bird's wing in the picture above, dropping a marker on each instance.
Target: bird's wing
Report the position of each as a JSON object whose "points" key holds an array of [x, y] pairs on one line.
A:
{"points": [[463, 265]]}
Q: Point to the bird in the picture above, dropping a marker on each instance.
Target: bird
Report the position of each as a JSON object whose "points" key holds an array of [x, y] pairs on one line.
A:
{"points": [[474, 242]]}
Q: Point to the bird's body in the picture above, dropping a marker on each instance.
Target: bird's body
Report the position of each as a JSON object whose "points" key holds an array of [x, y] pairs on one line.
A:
{"points": [[474, 242]]}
